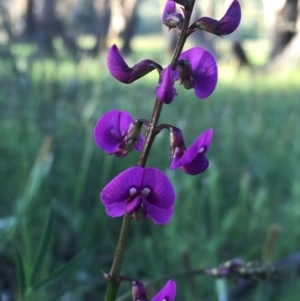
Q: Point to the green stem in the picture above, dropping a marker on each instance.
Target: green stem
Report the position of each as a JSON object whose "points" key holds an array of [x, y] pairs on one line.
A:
{"points": [[113, 282]]}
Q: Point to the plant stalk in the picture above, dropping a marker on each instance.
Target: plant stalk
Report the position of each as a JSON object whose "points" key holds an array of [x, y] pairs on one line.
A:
{"points": [[113, 281]]}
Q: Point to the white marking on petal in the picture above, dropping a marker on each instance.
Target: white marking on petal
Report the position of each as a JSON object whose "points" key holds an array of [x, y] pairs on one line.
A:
{"points": [[201, 150], [114, 133], [145, 192], [132, 191]]}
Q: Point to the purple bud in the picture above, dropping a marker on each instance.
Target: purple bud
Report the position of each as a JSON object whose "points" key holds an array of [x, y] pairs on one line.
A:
{"points": [[137, 189], [226, 25], [117, 133], [165, 92], [174, 20], [167, 293], [138, 291], [170, 18], [122, 72], [193, 160]]}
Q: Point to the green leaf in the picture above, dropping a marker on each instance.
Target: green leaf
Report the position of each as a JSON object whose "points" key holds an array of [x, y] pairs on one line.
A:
{"points": [[56, 297], [21, 277], [43, 248], [59, 272]]}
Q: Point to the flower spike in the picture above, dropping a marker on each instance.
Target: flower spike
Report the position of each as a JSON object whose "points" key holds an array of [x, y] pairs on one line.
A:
{"points": [[193, 160], [140, 190], [226, 25], [198, 69], [122, 72]]}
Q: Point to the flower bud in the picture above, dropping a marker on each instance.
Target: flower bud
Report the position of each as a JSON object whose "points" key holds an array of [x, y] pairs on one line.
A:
{"points": [[138, 291], [174, 20]]}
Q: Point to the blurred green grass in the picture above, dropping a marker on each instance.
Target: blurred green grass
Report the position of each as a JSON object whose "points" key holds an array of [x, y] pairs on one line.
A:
{"points": [[48, 109]]}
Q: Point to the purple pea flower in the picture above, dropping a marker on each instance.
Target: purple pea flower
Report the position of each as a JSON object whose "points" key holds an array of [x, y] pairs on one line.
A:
{"points": [[226, 25], [198, 69], [193, 160], [170, 18], [137, 189], [165, 92], [122, 72], [167, 293], [117, 133]]}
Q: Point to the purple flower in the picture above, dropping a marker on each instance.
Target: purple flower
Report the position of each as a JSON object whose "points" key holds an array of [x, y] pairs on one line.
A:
{"points": [[117, 133], [226, 25], [137, 189], [198, 69], [167, 293], [165, 92], [193, 160], [170, 18], [122, 72]]}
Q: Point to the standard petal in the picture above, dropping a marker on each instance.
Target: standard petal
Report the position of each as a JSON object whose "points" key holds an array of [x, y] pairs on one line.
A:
{"points": [[117, 66], [162, 194], [107, 133], [205, 70], [118, 189], [168, 292], [166, 92], [231, 20]]}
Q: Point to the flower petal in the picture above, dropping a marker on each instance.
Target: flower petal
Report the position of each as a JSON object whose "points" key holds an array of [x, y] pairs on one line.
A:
{"points": [[159, 216], [110, 130], [193, 160], [168, 292], [116, 209], [198, 165], [139, 145], [201, 144], [166, 92], [205, 71], [118, 189], [117, 65], [162, 194], [231, 20]]}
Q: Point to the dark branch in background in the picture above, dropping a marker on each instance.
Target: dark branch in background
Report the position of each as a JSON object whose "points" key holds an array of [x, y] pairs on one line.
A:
{"points": [[288, 268], [285, 27]]}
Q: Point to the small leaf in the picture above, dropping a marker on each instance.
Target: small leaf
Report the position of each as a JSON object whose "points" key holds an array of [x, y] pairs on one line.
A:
{"points": [[43, 248], [21, 277]]}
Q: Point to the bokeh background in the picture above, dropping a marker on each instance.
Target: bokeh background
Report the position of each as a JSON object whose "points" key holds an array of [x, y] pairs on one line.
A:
{"points": [[55, 238]]}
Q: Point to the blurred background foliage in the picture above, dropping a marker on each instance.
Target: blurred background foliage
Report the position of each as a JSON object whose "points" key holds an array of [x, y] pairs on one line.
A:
{"points": [[55, 238]]}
